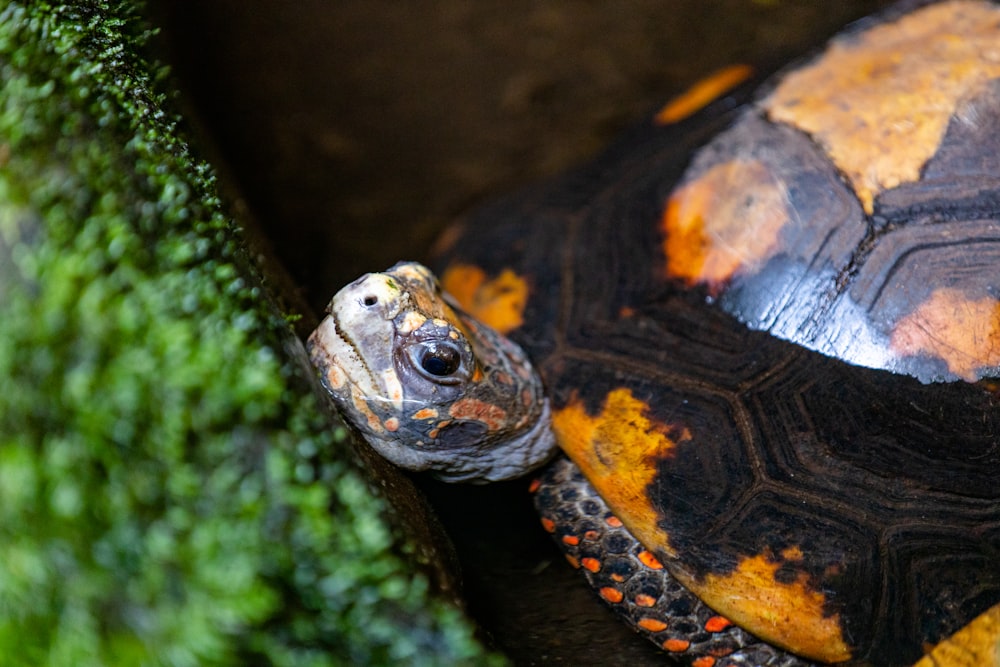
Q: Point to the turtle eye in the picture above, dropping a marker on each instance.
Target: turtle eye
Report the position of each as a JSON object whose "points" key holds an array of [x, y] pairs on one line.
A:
{"points": [[439, 359]]}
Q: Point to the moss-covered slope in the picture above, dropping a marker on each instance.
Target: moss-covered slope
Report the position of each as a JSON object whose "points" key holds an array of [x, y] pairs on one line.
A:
{"points": [[170, 491]]}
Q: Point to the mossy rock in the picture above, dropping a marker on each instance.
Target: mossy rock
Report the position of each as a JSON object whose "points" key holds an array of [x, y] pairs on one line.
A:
{"points": [[171, 489]]}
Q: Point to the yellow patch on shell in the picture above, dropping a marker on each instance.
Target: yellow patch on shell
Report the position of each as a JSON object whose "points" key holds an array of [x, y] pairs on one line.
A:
{"points": [[879, 103], [975, 645], [728, 218], [789, 615], [963, 332], [498, 302], [617, 450], [703, 93]]}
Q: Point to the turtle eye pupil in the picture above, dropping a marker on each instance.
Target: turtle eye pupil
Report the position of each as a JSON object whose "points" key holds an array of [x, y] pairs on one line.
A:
{"points": [[440, 361], [370, 300]]}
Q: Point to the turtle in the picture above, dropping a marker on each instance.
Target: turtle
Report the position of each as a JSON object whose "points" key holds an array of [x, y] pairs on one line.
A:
{"points": [[753, 350]]}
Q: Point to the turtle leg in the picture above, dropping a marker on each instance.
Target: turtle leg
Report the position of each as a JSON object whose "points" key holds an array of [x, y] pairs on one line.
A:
{"points": [[634, 584]]}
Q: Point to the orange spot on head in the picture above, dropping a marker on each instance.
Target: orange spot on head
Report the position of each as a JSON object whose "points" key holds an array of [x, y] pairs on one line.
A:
{"points": [[392, 424], [703, 93], [963, 332], [473, 409], [650, 561], [717, 624], [498, 302], [644, 600], [571, 540], [610, 594], [573, 561], [425, 413], [591, 564], [535, 485], [676, 645], [548, 524], [652, 624], [725, 220], [613, 521], [617, 577], [703, 661], [591, 535]]}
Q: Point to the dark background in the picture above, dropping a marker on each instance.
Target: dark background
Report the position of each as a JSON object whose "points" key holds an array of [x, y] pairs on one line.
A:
{"points": [[353, 131]]}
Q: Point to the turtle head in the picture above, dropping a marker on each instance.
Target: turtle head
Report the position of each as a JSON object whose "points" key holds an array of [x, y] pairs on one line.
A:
{"points": [[429, 387]]}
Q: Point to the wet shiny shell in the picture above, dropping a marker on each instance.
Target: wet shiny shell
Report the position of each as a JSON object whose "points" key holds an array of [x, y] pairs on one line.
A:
{"points": [[769, 331]]}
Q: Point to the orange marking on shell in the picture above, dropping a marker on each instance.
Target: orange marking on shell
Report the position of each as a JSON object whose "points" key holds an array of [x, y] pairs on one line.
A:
{"points": [[791, 615], [792, 553], [473, 409], [591, 564], [703, 93], [676, 645], [498, 302], [548, 524], [963, 332], [652, 624], [975, 645], [650, 561], [425, 413], [573, 561], [618, 450], [610, 594], [880, 102], [703, 661], [613, 521], [644, 600], [717, 624], [726, 219], [571, 540], [535, 485]]}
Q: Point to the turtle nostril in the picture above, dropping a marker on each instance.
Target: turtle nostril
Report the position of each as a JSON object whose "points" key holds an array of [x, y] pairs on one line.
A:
{"points": [[370, 300]]}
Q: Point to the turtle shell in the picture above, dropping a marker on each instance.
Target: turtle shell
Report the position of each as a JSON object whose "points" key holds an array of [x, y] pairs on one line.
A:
{"points": [[770, 331]]}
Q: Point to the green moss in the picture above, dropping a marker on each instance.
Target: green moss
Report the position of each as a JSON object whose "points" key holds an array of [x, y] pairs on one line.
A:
{"points": [[170, 491]]}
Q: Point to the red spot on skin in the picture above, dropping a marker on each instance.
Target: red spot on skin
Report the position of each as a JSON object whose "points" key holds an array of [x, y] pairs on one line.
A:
{"points": [[652, 624], [426, 413], [703, 661], [391, 424], [535, 485], [676, 645], [591, 535], [549, 525], [571, 540], [614, 522], [650, 561], [572, 561], [476, 410], [591, 564], [612, 595], [717, 624], [644, 600]]}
